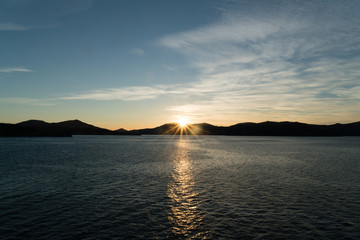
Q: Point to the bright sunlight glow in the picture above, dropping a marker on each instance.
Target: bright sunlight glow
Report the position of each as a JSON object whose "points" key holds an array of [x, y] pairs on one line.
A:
{"points": [[182, 122]]}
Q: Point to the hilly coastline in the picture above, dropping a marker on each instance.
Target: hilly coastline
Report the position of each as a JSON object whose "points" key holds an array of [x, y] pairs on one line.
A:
{"points": [[38, 128]]}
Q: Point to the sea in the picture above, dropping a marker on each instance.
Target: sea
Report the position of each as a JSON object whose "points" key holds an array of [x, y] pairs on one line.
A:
{"points": [[180, 187]]}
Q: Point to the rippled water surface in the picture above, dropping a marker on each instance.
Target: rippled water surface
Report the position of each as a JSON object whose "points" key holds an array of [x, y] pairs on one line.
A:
{"points": [[164, 187]]}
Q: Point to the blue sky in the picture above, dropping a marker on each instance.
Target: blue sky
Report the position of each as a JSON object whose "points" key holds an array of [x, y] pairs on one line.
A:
{"points": [[137, 64]]}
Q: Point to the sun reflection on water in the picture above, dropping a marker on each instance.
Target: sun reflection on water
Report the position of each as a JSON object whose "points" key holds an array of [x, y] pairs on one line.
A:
{"points": [[185, 217]]}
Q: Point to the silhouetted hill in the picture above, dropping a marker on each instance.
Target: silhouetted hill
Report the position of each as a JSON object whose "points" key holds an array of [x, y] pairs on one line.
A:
{"points": [[76, 127], [34, 124], [121, 130], [37, 128], [12, 130], [271, 129], [42, 128], [350, 129], [280, 129], [258, 129], [207, 129], [174, 129], [168, 128]]}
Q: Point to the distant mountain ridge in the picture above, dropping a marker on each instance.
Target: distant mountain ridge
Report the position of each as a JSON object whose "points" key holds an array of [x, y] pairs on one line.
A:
{"points": [[259, 129], [39, 128]]}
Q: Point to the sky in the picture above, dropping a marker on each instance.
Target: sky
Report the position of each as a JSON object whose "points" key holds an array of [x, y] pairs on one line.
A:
{"points": [[134, 64]]}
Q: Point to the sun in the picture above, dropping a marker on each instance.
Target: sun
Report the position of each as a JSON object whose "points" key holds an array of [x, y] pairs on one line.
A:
{"points": [[182, 126], [183, 122]]}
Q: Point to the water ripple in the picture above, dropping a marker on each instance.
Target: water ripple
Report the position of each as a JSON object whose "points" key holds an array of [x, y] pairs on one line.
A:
{"points": [[185, 217], [160, 187]]}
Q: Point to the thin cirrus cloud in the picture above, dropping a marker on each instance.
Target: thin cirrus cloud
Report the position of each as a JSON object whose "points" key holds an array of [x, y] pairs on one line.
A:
{"points": [[15, 69], [138, 93], [10, 26], [282, 66], [137, 51], [125, 94], [277, 65]]}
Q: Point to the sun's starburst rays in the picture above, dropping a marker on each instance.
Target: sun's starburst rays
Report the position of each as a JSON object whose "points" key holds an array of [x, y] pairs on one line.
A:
{"points": [[182, 127], [183, 122]]}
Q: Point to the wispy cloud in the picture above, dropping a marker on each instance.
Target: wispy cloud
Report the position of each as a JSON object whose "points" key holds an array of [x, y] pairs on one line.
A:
{"points": [[137, 51], [288, 63], [15, 69], [9, 26], [138, 93], [125, 94], [275, 65]]}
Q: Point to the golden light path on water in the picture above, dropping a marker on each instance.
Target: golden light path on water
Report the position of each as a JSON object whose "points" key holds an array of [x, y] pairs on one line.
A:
{"points": [[185, 217]]}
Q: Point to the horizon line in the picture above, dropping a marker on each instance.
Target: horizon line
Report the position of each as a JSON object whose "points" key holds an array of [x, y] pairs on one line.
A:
{"points": [[178, 123]]}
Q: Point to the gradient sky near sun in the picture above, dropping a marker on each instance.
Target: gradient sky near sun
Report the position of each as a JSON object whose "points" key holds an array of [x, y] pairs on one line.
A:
{"points": [[134, 64]]}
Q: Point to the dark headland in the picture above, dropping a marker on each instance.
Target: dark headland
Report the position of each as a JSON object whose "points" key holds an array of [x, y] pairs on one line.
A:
{"points": [[38, 128]]}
